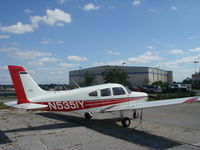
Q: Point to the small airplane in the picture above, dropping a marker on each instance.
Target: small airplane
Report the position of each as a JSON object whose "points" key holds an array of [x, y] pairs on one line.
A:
{"points": [[99, 98]]}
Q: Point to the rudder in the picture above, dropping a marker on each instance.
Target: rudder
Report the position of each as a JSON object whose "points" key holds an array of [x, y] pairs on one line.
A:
{"points": [[26, 88], [19, 89]]}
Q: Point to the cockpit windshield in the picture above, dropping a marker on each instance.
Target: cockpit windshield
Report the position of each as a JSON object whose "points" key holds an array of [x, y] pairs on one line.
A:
{"points": [[129, 91]]}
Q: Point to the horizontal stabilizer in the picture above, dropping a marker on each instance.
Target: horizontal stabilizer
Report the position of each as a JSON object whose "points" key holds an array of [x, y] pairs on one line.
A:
{"points": [[26, 105]]}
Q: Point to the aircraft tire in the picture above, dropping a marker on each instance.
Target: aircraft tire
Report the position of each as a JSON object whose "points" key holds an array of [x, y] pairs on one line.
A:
{"points": [[126, 122], [136, 115], [88, 116]]}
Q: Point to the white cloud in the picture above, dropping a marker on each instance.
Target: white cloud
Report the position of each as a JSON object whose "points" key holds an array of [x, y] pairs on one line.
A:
{"points": [[50, 41], [110, 52], [54, 17], [76, 58], [45, 41], [193, 37], [150, 47], [61, 1], [152, 10], [41, 61], [179, 62], [15, 44], [60, 42], [23, 54], [197, 49], [35, 63], [176, 51], [144, 58], [9, 49], [4, 36], [173, 8], [48, 59], [90, 6], [3, 67], [28, 54], [112, 63], [18, 28], [111, 7], [136, 2], [67, 65], [28, 11]]}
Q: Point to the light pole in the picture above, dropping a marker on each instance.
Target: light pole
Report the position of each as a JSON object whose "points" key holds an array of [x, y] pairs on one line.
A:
{"points": [[195, 62], [153, 74], [123, 65], [79, 75]]}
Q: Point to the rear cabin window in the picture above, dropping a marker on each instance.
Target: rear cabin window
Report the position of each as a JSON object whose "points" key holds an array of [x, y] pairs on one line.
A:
{"points": [[118, 91], [105, 92], [94, 93]]}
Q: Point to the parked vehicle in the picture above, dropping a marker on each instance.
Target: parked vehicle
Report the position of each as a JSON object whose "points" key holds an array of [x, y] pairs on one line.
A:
{"points": [[154, 89], [182, 87], [138, 88]]}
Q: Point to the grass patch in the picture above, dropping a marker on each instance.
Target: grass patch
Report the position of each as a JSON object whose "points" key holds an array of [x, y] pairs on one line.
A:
{"points": [[151, 99], [9, 97], [162, 96], [3, 106]]}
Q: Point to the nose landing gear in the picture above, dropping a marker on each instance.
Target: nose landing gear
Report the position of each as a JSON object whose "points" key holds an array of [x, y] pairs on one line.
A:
{"points": [[88, 115], [135, 114]]}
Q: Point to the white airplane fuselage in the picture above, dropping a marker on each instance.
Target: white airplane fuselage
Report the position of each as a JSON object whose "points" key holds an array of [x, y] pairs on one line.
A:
{"points": [[79, 99]]}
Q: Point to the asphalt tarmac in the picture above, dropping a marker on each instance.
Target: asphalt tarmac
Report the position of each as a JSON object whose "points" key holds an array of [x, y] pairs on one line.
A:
{"points": [[169, 127]]}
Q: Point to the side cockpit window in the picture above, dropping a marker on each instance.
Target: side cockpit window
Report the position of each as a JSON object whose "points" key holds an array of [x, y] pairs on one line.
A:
{"points": [[94, 93], [105, 92], [118, 91]]}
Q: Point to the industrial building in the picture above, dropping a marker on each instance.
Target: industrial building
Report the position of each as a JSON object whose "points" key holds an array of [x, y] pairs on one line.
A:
{"points": [[137, 75], [196, 80]]}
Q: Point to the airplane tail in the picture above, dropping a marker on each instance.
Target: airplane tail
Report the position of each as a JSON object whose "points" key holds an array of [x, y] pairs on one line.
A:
{"points": [[25, 87]]}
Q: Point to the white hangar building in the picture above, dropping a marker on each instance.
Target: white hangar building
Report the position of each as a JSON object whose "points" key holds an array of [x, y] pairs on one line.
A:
{"points": [[137, 75]]}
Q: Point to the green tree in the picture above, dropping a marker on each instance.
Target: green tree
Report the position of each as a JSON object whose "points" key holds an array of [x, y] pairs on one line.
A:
{"points": [[116, 75], [187, 81], [88, 79], [161, 84]]}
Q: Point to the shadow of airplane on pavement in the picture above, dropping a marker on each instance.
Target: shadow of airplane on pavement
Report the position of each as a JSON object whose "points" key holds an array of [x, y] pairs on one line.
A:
{"points": [[106, 127]]}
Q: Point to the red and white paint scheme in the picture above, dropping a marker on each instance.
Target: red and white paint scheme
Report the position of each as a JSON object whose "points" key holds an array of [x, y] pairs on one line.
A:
{"points": [[99, 98]]}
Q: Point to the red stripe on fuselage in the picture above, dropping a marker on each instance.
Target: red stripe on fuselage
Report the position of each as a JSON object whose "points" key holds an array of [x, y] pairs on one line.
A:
{"points": [[82, 104], [191, 100], [92, 104]]}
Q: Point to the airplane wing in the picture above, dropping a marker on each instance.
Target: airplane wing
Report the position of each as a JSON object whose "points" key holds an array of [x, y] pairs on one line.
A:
{"points": [[25, 105], [154, 103]]}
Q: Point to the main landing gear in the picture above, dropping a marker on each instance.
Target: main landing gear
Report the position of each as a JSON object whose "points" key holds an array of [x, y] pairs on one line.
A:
{"points": [[88, 115], [126, 121]]}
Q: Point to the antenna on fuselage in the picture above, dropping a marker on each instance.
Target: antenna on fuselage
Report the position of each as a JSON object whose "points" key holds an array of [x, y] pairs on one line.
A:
{"points": [[65, 87], [75, 83]]}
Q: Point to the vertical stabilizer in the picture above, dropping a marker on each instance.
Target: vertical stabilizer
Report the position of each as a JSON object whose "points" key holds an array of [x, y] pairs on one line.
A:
{"points": [[24, 85]]}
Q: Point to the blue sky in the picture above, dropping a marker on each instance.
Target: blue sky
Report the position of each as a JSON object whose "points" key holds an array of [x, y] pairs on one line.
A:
{"points": [[51, 37]]}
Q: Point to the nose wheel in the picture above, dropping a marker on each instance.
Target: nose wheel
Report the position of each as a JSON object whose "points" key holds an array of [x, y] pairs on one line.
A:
{"points": [[135, 115], [88, 115]]}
